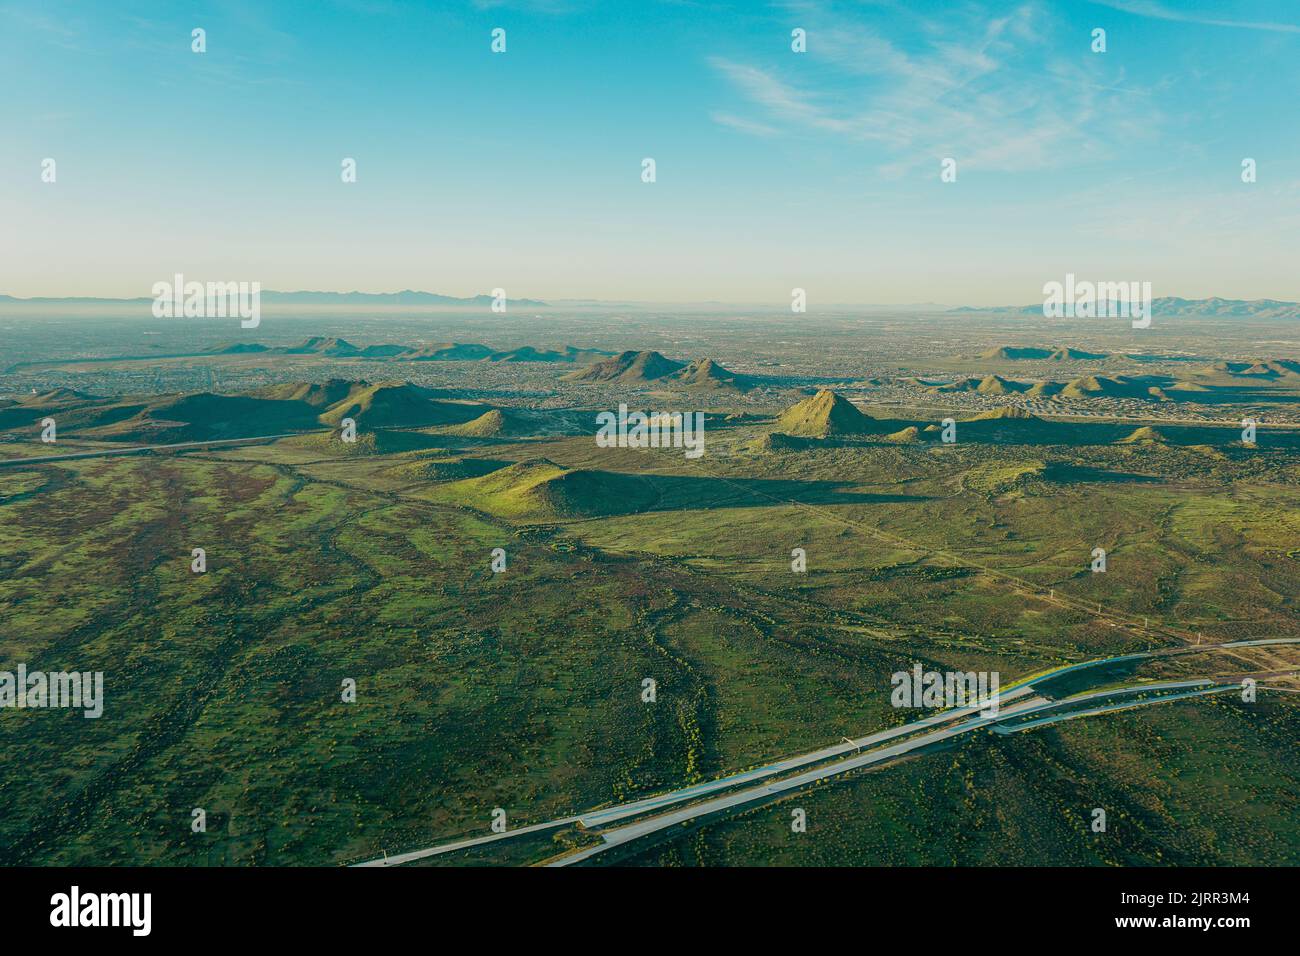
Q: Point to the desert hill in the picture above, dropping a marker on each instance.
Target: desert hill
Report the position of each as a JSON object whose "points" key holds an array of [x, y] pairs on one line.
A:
{"points": [[539, 489], [825, 414], [1146, 435], [630, 367], [988, 385], [388, 404], [1097, 386], [319, 395], [706, 373], [493, 423], [1063, 353]]}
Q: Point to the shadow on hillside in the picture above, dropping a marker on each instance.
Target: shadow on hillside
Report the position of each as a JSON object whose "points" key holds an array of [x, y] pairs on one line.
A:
{"points": [[687, 492], [1012, 431]]}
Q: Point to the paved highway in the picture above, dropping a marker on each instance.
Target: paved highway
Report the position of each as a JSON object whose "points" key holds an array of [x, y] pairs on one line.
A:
{"points": [[640, 828], [1108, 708], [940, 726], [612, 814]]}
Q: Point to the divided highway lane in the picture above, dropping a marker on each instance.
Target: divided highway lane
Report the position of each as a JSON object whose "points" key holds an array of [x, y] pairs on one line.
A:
{"points": [[400, 858], [1179, 685], [611, 814], [1108, 708]]}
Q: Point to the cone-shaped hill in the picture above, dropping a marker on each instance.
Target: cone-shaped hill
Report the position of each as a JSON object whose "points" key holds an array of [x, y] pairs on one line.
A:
{"points": [[824, 415], [493, 423], [395, 404], [1006, 424], [528, 353], [1003, 413], [316, 394], [1064, 353], [905, 436], [1146, 435], [997, 385], [540, 490], [706, 373], [1014, 353], [448, 352], [1096, 386], [1044, 390], [961, 385], [1067, 354], [320, 345], [632, 368], [336, 348], [776, 442], [988, 385], [447, 469]]}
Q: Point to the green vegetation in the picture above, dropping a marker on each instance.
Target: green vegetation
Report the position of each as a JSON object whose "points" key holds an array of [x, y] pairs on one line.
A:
{"points": [[372, 561]]}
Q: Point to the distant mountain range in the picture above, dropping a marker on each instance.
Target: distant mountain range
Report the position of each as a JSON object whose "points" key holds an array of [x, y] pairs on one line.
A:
{"points": [[1164, 305], [269, 297], [1173, 306], [405, 297]]}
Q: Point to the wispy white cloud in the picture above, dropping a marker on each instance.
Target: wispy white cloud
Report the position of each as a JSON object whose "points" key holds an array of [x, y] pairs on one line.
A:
{"points": [[1158, 11], [742, 125], [64, 31], [556, 7], [779, 98], [980, 89]]}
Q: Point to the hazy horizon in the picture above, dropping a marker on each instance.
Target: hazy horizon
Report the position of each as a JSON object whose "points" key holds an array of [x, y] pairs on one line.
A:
{"points": [[528, 302]]}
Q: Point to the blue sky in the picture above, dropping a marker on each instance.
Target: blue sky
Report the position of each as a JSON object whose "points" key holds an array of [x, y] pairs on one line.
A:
{"points": [[775, 169]]}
